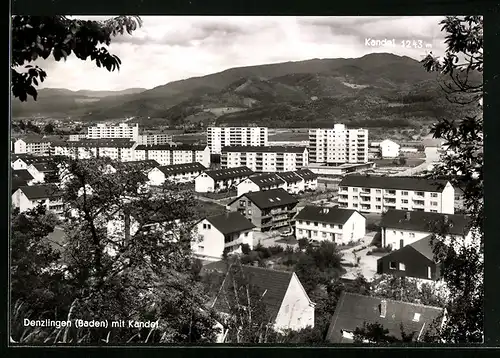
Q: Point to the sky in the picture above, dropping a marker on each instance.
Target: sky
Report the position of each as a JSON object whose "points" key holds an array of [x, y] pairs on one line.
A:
{"points": [[171, 48]]}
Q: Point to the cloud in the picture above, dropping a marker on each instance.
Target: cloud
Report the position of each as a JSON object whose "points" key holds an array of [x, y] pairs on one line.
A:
{"points": [[170, 48]]}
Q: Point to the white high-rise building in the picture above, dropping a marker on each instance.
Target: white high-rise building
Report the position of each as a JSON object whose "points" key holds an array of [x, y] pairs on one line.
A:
{"points": [[219, 137], [338, 145], [122, 130]]}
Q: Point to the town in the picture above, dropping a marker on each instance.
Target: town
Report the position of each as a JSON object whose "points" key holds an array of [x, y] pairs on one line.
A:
{"points": [[278, 198]]}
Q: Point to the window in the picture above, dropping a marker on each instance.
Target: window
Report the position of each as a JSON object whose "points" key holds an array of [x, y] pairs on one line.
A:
{"points": [[394, 232], [429, 272], [315, 233], [402, 266], [378, 191], [207, 226], [324, 225], [378, 199], [242, 203], [406, 209], [393, 265], [434, 211], [246, 234], [404, 193], [434, 195], [401, 233], [201, 248], [249, 211], [340, 226], [378, 207], [315, 224], [324, 234], [308, 222], [434, 203], [300, 231], [300, 221], [354, 190], [404, 201], [412, 234]]}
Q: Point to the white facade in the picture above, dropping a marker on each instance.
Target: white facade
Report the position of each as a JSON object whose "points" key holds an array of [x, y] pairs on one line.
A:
{"points": [[154, 139], [352, 230], [36, 147], [389, 149], [21, 201], [295, 187], [19, 164], [38, 177], [210, 243], [174, 156], [270, 159], [378, 200], [297, 309], [219, 137], [157, 177], [122, 130], [206, 184], [247, 186], [338, 145], [75, 152]]}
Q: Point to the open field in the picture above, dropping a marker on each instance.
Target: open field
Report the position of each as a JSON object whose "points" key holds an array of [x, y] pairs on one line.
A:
{"points": [[207, 208]]}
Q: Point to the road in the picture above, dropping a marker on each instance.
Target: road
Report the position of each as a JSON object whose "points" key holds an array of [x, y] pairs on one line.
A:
{"points": [[431, 156]]}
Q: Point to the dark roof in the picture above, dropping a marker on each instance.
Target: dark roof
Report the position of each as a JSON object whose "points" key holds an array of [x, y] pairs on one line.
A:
{"points": [[44, 167], [99, 143], [423, 221], [230, 223], [229, 173], [271, 284], [147, 164], [326, 215], [290, 177], [182, 168], [267, 149], [33, 159], [190, 147], [32, 138], [22, 174], [14, 157], [306, 174], [41, 191], [16, 183], [264, 180], [354, 309], [270, 198], [425, 247], [396, 183]]}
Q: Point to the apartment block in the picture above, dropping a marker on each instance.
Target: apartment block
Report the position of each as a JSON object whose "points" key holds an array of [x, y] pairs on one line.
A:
{"points": [[338, 145], [220, 137], [265, 159], [32, 144], [377, 194], [121, 149], [154, 139], [122, 130], [170, 154]]}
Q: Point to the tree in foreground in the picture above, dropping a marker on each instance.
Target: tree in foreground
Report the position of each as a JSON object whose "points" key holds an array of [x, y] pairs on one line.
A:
{"points": [[376, 333], [462, 163], [35, 37], [139, 270]]}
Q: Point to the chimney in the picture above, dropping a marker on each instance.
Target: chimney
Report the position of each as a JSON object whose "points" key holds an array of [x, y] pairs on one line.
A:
{"points": [[407, 215], [383, 308]]}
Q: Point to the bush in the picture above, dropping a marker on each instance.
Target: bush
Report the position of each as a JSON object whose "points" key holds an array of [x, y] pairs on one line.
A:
{"points": [[368, 253], [245, 249], [303, 243], [276, 249], [382, 249], [289, 250], [245, 260], [254, 256]]}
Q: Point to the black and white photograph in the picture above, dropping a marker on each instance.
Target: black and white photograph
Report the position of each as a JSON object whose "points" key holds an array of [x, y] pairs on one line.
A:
{"points": [[236, 180]]}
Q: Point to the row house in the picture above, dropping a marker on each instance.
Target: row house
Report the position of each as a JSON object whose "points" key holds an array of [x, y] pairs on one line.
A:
{"points": [[23, 162], [400, 228], [286, 302], [293, 182], [377, 194], [267, 210], [265, 159], [20, 178], [225, 232], [214, 181], [220, 137], [389, 149], [32, 144], [106, 131], [179, 173], [355, 310], [28, 197], [170, 154], [329, 224], [154, 139], [338, 145], [44, 172], [121, 149]]}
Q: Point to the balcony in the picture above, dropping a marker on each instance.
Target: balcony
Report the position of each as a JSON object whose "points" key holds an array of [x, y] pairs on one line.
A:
{"points": [[343, 198], [419, 203], [390, 193]]}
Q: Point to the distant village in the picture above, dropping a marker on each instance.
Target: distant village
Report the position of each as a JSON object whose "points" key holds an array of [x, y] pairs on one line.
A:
{"points": [[369, 198]]}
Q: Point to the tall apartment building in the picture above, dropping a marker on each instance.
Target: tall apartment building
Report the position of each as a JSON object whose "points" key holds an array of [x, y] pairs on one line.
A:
{"points": [[122, 130], [265, 159], [377, 194], [220, 137], [338, 145], [32, 144], [118, 149]]}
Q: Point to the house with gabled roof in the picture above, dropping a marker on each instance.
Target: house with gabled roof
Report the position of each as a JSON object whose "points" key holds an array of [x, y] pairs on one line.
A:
{"points": [[267, 210], [377, 194], [32, 144], [294, 183], [260, 182], [179, 173], [310, 179], [353, 310], [28, 197], [214, 181], [333, 224], [228, 231], [43, 172], [400, 228], [287, 305], [413, 260]]}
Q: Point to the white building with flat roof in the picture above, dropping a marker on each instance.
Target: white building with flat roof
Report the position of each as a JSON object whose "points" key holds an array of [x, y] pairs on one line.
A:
{"points": [[338, 145], [122, 130], [220, 137]]}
